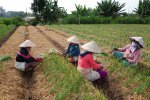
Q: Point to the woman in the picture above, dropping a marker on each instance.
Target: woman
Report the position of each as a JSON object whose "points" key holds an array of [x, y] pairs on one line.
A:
{"points": [[24, 61], [131, 53], [87, 65], [73, 50]]}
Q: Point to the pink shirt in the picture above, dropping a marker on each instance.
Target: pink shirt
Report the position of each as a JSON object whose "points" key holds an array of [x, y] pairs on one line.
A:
{"points": [[88, 62], [132, 57]]}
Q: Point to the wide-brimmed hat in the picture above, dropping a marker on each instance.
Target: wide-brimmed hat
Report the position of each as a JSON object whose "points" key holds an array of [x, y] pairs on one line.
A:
{"points": [[73, 39], [139, 40], [92, 47], [27, 43]]}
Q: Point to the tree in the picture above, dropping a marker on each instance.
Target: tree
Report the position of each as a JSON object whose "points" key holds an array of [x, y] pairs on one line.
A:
{"points": [[143, 9], [109, 8], [49, 11], [81, 11], [52, 12], [38, 7]]}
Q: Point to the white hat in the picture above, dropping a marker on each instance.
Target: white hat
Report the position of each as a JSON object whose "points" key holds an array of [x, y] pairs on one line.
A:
{"points": [[27, 43], [139, 40], [92, 47], [73, 39]]}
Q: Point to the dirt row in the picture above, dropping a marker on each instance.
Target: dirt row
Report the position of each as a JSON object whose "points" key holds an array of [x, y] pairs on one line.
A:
{"points": [[13, 83], [10, 79]]}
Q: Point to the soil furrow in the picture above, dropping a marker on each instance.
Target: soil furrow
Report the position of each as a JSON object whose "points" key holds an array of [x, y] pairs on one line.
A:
{"points": [[57, 45], [10, 79]]}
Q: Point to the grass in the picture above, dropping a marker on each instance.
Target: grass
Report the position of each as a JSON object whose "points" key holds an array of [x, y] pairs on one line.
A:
{"points": [[4, 29], [134, 80], [67, 83]]}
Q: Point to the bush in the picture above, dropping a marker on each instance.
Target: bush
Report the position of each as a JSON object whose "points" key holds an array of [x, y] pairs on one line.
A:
{"points": [[7, 22], [34, 22], [15, 21], [72, 19]]}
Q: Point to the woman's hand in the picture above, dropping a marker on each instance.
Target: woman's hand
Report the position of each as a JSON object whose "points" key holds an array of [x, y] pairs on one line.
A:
{"points": [[101, 66], [115, 49], [124, 58], [39, 59]]}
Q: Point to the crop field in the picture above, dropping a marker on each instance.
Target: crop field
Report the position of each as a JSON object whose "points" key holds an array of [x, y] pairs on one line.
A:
{"points": [[56, 79], [4, 29], [132, 82]]}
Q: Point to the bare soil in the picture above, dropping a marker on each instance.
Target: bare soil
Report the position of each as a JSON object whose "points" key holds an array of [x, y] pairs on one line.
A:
{"points": [[15, 85]]}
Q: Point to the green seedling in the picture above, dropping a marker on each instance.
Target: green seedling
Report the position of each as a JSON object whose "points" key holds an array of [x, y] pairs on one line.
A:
{"points": [[5, 58]]}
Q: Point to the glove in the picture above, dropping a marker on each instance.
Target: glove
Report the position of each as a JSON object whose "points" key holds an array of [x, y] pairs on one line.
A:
{"points": [[68, 56], [116, 49], [64, 54], [123, 58], [38, 59]]}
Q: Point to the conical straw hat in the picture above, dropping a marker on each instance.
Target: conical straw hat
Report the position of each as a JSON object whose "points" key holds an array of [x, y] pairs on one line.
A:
{"points": [[27, 43], [139, 40], [73, 39], [92, 47]]}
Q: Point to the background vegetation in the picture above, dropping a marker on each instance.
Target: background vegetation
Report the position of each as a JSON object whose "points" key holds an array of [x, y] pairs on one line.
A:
{"points": [[106, 12], [4, 29], [12, 21]]}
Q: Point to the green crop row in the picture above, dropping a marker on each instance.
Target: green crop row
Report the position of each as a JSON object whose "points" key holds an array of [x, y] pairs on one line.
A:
{"points": [[67, 83], [4, 29]]}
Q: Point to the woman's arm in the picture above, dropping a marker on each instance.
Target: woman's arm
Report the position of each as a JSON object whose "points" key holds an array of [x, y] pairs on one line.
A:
{"points": [[124, 48], [135, 60], [92, 62]]}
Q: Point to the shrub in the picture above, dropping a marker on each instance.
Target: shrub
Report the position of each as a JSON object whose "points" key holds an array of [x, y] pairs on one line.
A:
{"points": [[72, 19]]}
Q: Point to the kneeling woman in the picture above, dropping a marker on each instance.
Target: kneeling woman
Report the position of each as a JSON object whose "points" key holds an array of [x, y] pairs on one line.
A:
{"points": [[24, 61], [87, 65], [131, 53], [73, 50]]}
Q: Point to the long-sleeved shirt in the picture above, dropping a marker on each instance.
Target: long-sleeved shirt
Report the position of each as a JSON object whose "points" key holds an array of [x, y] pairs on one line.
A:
{"points": [[88, 62], [132, 57], [73, 50], [24, 56]]}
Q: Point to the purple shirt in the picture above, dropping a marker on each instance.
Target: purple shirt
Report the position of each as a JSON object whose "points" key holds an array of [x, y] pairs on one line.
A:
{"points": [[132, 57]]}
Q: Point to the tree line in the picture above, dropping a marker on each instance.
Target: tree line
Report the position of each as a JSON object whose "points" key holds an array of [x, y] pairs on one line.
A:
{"points": [[49, 11]]}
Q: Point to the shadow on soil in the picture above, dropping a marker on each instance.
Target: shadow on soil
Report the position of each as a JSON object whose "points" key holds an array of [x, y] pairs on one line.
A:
{"points": [[28, 83], [112, 93]]}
